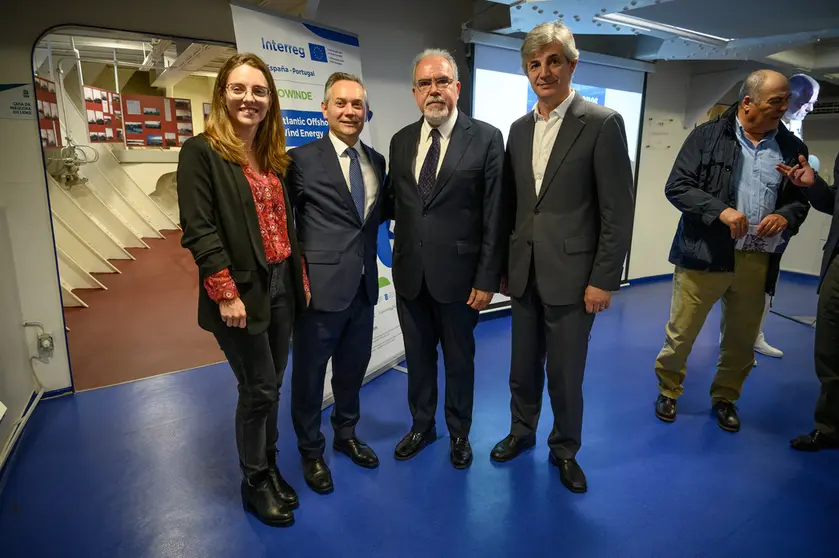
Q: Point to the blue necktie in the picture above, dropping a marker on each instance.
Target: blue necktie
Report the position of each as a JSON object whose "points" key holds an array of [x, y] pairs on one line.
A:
{"points": [[428, 172], [356, 181]]}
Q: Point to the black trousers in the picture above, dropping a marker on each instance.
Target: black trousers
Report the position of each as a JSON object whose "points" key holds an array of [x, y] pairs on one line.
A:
{"points": [[259, 361], [827, 352], [347, 338], [560, 335], [425, 323]]}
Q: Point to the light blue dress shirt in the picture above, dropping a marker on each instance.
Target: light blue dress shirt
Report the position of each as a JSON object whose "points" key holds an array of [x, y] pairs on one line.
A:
{"points": [[756, 179]]}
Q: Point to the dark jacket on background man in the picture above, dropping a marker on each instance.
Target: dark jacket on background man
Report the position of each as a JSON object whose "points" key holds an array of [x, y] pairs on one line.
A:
{"points": [[823, 198], [702, 185]]}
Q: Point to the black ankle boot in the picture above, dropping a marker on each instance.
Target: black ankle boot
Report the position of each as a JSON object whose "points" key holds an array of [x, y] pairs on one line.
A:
{"points": [[259, 497], [283, 490]]}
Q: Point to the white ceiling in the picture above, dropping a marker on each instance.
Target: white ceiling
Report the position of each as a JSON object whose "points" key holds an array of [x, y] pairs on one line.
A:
{"points": [[801, 35]]}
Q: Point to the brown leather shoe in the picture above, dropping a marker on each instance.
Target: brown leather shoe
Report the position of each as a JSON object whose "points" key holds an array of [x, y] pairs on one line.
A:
{"points": [[665, 408], [727, 416]]}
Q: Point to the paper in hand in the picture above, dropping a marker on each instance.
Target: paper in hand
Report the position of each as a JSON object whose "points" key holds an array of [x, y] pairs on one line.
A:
{"points": [[769, 244]]}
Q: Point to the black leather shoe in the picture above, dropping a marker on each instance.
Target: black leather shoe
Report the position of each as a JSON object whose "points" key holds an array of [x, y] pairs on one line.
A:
{"points": [[510, 448], [460, 452], [570, 474], [814, 441], [317, 475], [282, 489], [665, 408], [727, 416], [258, 497], [412, 443], [360, 453]]}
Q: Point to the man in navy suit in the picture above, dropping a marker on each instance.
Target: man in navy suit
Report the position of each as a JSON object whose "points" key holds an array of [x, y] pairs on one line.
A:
{"points": [[335, 185], [445, 193]]}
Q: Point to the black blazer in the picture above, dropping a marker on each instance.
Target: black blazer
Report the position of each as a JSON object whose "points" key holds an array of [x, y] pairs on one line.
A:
{"points": [[824, 198], [577, 230], [456, 241], [221, 229], [336, 245]]}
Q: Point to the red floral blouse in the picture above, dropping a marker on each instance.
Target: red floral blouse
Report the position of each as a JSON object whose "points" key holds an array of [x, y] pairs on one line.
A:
{"points": [[273, 224]]}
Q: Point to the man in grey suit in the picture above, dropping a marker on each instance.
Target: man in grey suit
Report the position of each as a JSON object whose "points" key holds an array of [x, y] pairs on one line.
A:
{"points": [[570, 188], [335, 184]]}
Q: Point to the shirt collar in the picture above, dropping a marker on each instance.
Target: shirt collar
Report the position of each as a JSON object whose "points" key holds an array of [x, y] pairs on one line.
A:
{"points": [[445, 128], [340, 146], [559, 111]]}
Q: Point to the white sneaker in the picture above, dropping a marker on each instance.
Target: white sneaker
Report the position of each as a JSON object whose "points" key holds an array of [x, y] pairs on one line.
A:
{"points": [[764, 348]]}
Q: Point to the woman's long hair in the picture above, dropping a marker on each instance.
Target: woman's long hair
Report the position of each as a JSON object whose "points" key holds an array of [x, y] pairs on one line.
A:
{"points": [[269, 142]]}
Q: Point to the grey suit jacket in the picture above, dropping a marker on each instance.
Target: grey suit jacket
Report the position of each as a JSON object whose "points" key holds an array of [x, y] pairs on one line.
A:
{"points": [[577, 231]]}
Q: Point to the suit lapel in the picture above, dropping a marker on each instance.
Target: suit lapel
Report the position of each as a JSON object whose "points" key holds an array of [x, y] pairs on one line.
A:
{"points": [[526, 156], [572, 124], [412, 148], [329, 160], [249, 210], [459, 141]]}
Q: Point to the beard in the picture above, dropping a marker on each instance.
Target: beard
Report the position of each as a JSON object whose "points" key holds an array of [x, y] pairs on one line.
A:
{"points": [[436, 112]]}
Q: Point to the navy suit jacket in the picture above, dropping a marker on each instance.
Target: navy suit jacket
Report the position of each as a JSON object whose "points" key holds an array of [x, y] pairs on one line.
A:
{"points": [[456, 241], [336, 244]]}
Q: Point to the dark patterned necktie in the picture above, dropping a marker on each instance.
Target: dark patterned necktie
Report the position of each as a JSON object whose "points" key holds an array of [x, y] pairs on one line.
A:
{"points": [[356, 181], [428, 173]]}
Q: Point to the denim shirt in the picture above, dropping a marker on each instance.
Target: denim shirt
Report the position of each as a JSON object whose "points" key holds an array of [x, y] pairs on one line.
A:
{"points": [[756, 178]]}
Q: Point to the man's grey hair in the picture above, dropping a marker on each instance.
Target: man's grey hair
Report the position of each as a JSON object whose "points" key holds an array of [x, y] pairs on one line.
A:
{"points": [[752, 86], [434, 52], [544, 34], [341, 76]]}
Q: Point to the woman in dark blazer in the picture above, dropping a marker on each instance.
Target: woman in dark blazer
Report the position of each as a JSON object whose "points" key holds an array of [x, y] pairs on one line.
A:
{"points": [[252, 282]]}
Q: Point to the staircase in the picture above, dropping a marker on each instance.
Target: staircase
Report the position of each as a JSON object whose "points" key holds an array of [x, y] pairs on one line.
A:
{"points": [[98, 220]]}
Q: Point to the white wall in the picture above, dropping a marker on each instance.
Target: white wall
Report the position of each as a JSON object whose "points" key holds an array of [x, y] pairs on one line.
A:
{"points": [[390, 34], [661, 139], [16, 387]]}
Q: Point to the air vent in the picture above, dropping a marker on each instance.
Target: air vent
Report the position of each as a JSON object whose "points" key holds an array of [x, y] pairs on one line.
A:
{"points": [[828, 107]]}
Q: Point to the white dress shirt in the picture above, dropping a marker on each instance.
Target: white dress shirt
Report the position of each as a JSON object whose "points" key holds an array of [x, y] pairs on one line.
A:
{"points": [[544, 137], [445, 129], [371, 181]]}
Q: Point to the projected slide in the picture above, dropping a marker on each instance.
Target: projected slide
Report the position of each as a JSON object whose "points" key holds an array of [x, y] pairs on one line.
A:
{"points": [[500, 98]]}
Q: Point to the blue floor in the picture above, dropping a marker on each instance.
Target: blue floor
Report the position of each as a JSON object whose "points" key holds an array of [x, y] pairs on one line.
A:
{"points": [[149, 469]]}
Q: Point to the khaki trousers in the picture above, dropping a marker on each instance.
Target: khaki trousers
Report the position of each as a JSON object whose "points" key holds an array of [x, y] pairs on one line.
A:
{"points": [[694, 294]]}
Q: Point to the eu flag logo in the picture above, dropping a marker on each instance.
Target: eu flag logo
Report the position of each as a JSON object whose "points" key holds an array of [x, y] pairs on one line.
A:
{"points": [[317, 53]]}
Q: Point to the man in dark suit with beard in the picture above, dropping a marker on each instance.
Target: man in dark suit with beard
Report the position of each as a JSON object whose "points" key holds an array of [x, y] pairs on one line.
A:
{"points": [[444, 185]]}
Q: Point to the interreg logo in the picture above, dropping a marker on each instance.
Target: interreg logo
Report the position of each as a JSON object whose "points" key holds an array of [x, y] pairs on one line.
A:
{"points": [[274, 46], [317, 53]]}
